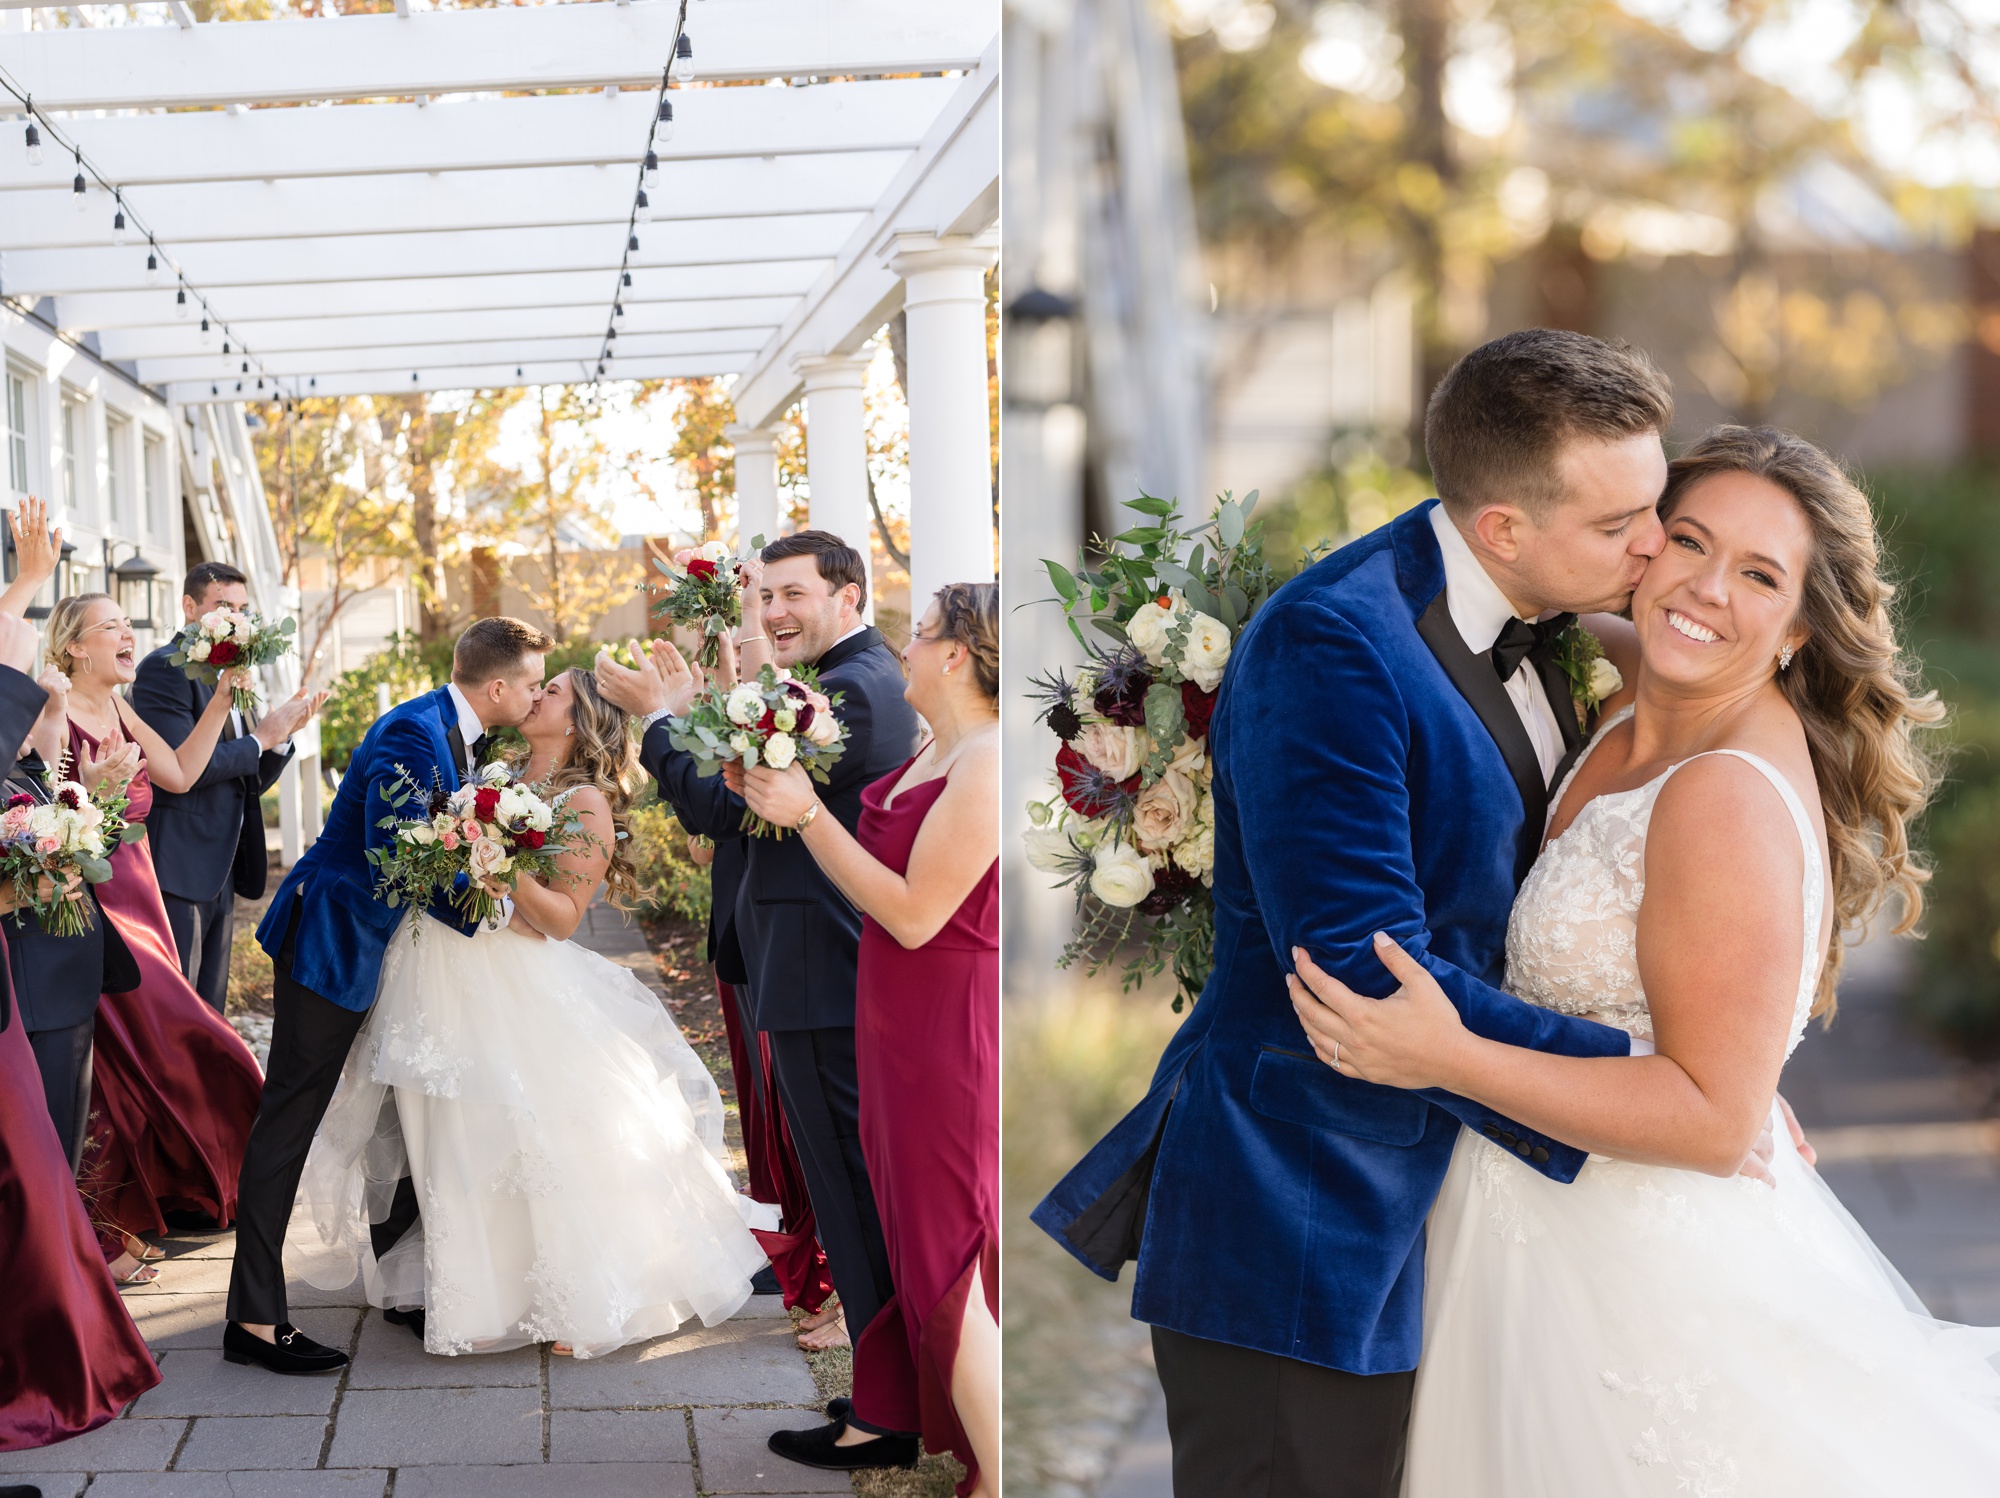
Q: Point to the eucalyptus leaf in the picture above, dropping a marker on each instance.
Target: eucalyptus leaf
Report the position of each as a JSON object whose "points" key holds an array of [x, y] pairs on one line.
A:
{"points": [[1173, 573], [1248, 503], [1200, 598], [1229, 523], [1113, 629], [1239, 603], [1226, 608]]}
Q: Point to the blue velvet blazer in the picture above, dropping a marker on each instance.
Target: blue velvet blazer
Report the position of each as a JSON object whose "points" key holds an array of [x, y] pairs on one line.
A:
{"points": [[1369, 774], [344, 930]]}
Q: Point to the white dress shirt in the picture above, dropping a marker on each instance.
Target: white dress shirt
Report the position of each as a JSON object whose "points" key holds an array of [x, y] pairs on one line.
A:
{"points": [[1481, 611]]}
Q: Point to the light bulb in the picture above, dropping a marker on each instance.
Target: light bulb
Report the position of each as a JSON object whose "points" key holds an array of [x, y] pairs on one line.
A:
{"points": [[610, 333], [118, 225], [665, 130], [181, 303], [632, 245], [78, 192], [204, 332], [152, 268], [684, 58], [628, 278], [644, 212], [617, 309], [34, 145], [225, 345], [650, 177]]}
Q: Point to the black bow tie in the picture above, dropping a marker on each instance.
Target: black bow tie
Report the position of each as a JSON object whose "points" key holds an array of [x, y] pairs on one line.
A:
{"points": [[1521, 641], [479, 747]]}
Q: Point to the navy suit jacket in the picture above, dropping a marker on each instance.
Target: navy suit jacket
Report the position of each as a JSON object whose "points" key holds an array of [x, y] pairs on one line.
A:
{"points": [[21, 702], [798, 936], [57, 979], [344, 929], [196, 835], [1271, 1202]]}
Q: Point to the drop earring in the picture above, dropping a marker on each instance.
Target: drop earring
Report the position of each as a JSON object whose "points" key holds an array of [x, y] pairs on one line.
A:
{"points": [[1785, 658]]}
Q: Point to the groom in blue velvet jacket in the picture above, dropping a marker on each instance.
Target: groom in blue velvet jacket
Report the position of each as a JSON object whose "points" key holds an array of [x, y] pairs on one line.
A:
{"points": [[327, 934], [1383, 747]]}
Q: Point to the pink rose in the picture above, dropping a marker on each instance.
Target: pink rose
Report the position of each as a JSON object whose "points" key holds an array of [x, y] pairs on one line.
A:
{"points": [[46, 845], [448, 839], [471, 829], [683, 557]]}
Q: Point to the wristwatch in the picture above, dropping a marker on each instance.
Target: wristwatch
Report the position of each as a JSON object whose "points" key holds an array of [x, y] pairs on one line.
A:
{"points": [[806, 819]]}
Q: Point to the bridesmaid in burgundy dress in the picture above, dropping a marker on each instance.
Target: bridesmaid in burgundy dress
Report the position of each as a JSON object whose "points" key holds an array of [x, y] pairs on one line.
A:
{"points": [[924, 872], [176, 1086], [70, 1357]]}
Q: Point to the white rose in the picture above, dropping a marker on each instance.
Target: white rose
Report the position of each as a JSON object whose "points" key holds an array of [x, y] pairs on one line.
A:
{"points": [[421, 834], [45, 821], [1164, 812], [198, 651], [740, 742], [242, 627], [714, 551], [486, 858], [1116, 750], [1122, 876], [1147, 629], [493, 773], [780, 751], [541, 817], [745, 704], [1604, 680], [1207, 652], [1197, 854], [1049, 849], [824, 729], [215, 622], [1191, 759]]}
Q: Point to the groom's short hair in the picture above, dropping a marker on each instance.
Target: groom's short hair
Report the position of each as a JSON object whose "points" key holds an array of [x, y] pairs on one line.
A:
{"points": [[1498, 420], [838, 563], [496, 647]]}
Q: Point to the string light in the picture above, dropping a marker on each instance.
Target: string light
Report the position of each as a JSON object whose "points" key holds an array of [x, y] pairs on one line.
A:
{"points": [[181, 302], [632, 245], [650, 177], [204, 332], [665, 130], [617, 309], [684, 58], [680, 65], [644, 210], [77, 188], [152, 264], [118, 224], [34, 143]]}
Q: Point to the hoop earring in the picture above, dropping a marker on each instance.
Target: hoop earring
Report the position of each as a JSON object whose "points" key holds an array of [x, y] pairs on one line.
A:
{"points": [[1785, 658]]}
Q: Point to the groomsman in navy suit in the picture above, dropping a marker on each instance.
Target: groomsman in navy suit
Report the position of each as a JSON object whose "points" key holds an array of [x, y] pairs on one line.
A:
{"points": [[208, 844]]}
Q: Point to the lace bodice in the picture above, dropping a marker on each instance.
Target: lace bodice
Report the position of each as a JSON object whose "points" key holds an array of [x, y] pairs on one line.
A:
{"points": [[1573, 937]]}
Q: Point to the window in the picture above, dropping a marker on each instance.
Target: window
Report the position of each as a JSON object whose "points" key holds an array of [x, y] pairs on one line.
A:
{"points": [[18, 477], [70, 424], [117, 429], [154, 469]]}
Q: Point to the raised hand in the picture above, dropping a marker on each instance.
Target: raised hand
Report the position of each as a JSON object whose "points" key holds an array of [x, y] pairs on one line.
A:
{"points": [[37, 547], [640, 691], [723, 673], [676, 676]]}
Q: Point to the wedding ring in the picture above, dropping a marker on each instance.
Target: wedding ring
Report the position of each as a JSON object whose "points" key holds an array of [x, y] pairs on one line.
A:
{"points": [[1336, 1055]]}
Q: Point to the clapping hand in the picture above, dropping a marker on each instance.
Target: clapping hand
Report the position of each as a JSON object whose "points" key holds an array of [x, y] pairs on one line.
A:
{"points": [[288, 717], [114, 764], [640, 691], [37, 547]]}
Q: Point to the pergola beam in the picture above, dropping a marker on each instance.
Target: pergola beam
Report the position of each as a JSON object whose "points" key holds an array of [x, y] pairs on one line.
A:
{"points": [[249, 306], [459, 377], [562, 130], [395, 257], [493, 50], [330, 209]]}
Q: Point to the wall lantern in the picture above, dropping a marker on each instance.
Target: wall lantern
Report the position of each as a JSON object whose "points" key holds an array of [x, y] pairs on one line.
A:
{"points": [[134, 578]]}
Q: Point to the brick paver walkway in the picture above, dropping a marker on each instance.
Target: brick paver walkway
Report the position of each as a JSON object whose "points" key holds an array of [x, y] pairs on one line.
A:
{"points": [[678, 1417]]}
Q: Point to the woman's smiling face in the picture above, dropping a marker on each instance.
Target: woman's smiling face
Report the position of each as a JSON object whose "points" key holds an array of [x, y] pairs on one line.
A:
{"points": [[1719, 604], [107, 643]]}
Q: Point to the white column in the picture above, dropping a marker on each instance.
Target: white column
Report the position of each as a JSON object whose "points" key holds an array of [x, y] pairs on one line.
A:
{"points": [[951, 470], [837, 453], [756, 482]]}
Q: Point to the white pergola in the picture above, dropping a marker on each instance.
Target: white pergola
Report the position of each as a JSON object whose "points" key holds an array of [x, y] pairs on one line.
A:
{"points": [[445, 199]]}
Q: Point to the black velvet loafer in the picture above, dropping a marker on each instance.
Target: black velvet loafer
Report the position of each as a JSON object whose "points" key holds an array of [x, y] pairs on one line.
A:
{"points": [[765, 1282], [293, 1352], [20, 1490], [838, 1406], [412, 1318], [820, 1448]]}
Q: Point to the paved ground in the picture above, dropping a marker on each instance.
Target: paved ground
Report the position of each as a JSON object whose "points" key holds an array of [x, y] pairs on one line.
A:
{"points": [[1903, 1140], [681, 1416]]}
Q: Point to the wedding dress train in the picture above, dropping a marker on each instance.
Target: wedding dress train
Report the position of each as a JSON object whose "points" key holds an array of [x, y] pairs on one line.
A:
{"points": [[1647, 1331], [564, 1140]]}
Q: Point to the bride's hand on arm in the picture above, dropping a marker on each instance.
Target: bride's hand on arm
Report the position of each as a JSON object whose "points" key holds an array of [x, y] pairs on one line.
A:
{"points": [[1412, 1039]]}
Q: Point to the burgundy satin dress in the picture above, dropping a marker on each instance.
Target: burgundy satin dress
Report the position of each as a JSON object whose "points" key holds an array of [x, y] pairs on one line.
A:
{"points": [[927, 1048], [70, 1357], [176, 1088]]}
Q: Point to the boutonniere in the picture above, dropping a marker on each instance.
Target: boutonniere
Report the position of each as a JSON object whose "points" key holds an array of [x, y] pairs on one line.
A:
{"points": [[1590, 675]]}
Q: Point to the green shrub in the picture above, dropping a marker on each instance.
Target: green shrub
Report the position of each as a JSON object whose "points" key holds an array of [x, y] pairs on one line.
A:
{"points": [[1959, 995], [406, 668], [670, 883]]}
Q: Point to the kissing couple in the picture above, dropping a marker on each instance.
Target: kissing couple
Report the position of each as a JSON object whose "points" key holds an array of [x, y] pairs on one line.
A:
{"points": [[500, 1129], [1467, 1176]]}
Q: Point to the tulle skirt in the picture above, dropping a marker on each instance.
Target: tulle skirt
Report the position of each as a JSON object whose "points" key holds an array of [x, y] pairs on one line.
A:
{"points": [[1648, 1332], [564, 1141]]}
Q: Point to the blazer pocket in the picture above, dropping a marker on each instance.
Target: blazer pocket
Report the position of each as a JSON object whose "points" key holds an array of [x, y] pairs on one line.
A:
{"points": [[1302, 1089]]}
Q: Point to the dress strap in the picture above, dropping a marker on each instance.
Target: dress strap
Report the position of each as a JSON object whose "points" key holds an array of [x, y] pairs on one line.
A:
{"points": [[1789, 796]]}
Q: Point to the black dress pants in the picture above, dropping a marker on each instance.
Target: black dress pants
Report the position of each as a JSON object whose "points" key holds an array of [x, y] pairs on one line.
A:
{"points": [[310, 1038], [203, 931], [822, 1103], [63, 1058], [1249, 1424]]}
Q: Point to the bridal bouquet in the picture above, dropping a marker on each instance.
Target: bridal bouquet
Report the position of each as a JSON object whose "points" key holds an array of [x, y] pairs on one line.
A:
{"points": [[778, 719], [225, 639], [705, 593], [1131, 826], [70, 836], [448, 842]]}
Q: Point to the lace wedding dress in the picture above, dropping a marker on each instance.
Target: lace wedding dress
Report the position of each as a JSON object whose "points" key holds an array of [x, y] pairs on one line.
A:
{"points": [[1646, 1331], [565, 1144]]}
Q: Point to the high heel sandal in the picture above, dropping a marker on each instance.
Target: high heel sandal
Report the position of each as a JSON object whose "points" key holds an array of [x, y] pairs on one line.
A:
{"points": [[143, 1251], [141, 1274]]}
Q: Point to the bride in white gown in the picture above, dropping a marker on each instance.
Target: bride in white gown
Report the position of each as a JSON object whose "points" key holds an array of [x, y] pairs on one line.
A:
{"points": [[1664, 1325], [564, 1140]]}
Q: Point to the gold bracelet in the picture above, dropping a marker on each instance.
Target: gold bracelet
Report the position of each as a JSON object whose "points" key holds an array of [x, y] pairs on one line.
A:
{"points": [[806, 820]]}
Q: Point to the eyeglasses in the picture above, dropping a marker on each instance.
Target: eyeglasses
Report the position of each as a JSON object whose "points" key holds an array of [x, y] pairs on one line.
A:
{"points": [[119, 623]]}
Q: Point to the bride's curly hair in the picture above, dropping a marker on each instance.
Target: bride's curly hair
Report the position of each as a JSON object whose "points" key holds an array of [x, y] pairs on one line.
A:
{"points": [[1855, 689], [603, 755]]}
